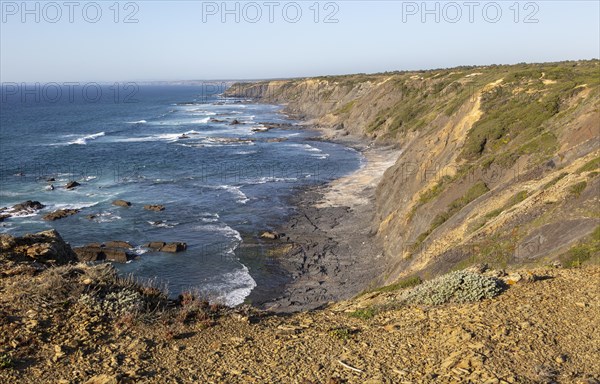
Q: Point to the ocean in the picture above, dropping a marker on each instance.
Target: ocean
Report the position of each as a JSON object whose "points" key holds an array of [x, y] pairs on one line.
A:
{"points": [[208, 159]]}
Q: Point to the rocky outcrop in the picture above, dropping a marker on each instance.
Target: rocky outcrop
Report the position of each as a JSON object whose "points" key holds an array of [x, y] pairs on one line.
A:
{"points": [[45, 247], [60, 214], [24, 208], [121, 203]]}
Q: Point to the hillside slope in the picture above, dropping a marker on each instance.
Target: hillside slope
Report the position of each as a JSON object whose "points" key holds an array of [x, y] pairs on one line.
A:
{"points": [[498, 164]]}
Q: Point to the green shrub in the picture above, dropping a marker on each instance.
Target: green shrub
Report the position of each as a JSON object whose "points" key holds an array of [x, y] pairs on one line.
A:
{"points": [[364, 314], [341, 333], [555, 180], [578, 188], [516, 199], [6, 361], [401, 284], [592, 165]]}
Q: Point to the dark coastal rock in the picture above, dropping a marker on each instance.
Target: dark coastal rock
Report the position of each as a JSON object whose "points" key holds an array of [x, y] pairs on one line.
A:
{"points": [[154, 207], [235, 122], [213, 120], [161, 246], [184, 136], [96, 252], [28, 206], [72, 184], [89, 253], [60, 214], [3, 217], [174, 247], [45, 247], [121, 203], [117, 255], [276, 140]]}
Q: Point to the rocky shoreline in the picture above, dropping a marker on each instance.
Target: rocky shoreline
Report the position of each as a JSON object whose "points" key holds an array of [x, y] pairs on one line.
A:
{"points": [[329, 252]]}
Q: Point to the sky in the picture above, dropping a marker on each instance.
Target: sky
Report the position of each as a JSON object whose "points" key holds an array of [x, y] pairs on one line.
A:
{"points": [[202, 40]]}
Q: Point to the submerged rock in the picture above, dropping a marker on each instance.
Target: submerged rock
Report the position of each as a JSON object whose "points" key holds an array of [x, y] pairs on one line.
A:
{"points": [[72, 184], [121, 203], [60, 214], [154, 207]]}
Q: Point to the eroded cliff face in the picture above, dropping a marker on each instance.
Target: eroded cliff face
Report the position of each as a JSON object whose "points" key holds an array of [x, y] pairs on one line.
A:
{"points": [[497, 164]]}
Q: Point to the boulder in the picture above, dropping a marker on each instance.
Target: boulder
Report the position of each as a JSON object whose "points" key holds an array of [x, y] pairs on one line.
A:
{"points": [[174, 247], [121, 203], [235, 122], [118, 255], [60, 214], [3, 217], [154, 207], [72, 184], [89, 253]]}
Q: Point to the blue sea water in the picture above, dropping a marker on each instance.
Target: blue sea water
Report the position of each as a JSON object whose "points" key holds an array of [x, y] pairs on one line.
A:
{"points": [[169, 145]]}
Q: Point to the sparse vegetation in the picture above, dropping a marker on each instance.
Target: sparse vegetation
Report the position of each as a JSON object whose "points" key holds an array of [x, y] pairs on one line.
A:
{"points": [[583, 251]]}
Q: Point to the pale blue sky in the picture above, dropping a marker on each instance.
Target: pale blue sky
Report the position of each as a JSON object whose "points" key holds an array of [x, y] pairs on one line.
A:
{"points": [[171, 41]]}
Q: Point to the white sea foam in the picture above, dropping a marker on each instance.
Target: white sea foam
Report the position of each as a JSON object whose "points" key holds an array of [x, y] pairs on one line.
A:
{"points": [[243, 284], [106, 217], [163, 224], [224, 229], [137, 122], [271, 179], [170, 137], [83, 140], [73, 205], [237, 192]]}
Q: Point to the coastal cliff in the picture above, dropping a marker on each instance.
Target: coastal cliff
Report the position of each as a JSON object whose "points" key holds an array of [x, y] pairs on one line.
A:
{"points": [[496, 164]]}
